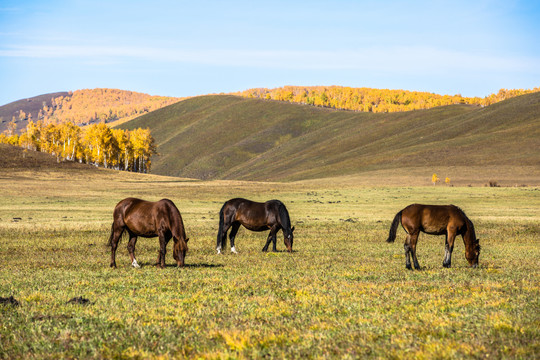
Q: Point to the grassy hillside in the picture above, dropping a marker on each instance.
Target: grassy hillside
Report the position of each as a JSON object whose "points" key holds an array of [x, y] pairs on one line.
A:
{"points": [[16, 159], [228, 137], [30, 106], [82, 107]]}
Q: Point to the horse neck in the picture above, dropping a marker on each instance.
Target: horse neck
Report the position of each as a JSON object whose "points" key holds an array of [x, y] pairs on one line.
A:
{"points": [[179, 229], [470, 235], [284, 218], [177, 226]]}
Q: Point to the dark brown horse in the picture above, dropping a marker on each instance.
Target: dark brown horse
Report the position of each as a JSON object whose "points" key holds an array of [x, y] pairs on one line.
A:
{"points": [[446, 220], [271, 215], [149, 219]]}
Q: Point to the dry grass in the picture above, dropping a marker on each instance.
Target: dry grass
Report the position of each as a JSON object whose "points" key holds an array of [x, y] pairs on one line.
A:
{"points": [[343, 293]]}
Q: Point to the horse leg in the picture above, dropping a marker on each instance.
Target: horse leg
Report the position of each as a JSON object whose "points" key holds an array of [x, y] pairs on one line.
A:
{"points": [[268, 240], [222, 236], [274, 238], [271, 238], [116, 235], [232, 235], [413, 240], [446, 251], [448, 248], [163, 241], [408, 252], [131, 249]]}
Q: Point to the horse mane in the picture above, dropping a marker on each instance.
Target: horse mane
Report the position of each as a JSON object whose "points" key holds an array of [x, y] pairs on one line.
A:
{"points": [[283, 215], [470, 228], [178, 224]]}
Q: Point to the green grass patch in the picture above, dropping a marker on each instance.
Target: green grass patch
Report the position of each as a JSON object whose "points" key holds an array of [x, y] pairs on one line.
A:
{"points": [[343, 293]]}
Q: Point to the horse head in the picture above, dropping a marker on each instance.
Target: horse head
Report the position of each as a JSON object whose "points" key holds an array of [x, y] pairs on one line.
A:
{"points": [[289, 239], [472, 254], [179, 251]]}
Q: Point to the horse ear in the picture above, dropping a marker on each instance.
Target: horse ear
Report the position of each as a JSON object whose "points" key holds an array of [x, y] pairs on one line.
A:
{"points": [[292, 229], [187, 239]]}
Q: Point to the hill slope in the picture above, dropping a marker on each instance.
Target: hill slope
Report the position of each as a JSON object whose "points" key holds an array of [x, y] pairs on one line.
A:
{"points": [[30, 106], [82, 107], [228, 137]]}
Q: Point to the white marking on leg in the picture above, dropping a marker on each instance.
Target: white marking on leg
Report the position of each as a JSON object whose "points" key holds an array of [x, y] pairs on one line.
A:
{"points": [[135, 264], [233, 250], [218, 250]]}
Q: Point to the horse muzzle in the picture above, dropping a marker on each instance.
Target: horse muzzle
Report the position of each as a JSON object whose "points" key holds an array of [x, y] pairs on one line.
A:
{"points": [[180, 260]]}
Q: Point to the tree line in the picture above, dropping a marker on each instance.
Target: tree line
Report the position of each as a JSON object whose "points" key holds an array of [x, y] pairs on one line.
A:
{"points": [[87, 106], [96, 144], [373, 100]]}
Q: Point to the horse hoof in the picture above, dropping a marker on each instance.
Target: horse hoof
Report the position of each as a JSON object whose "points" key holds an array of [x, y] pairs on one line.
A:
{"points": [[135, 264], [218, 251], [233, 250]]}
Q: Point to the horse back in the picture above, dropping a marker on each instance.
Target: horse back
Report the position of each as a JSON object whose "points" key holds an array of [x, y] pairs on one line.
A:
{"points": [[255, 216], [433, 219], [148, 218]]}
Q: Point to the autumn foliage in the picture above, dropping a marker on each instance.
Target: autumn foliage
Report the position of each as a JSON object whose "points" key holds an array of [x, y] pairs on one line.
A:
{"points": [[88, 106], [373, 100], [57, 128], [96, 144]]}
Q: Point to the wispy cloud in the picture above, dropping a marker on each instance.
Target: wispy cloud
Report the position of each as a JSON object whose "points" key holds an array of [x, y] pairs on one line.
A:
{"points": [[389, 59]]}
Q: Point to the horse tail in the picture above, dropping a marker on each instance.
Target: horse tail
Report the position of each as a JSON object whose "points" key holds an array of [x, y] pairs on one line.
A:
{"points": [[393, 227], [111, 237]]}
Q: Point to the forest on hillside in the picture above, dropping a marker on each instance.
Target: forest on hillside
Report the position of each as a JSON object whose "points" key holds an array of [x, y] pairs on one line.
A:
{"points": [[83, 107], [373, 100], [96, 144]]}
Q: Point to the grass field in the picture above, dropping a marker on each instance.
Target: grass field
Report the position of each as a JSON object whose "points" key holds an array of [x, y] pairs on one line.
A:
{"points": [[343, 293]]}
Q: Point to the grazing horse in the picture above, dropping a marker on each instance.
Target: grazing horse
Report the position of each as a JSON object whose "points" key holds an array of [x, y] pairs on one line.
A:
{"points": [[446, 220], [149, 219], [271, 215]]}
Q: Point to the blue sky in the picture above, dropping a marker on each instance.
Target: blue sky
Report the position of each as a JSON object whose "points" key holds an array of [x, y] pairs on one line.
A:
{"points": [[187, 48]]}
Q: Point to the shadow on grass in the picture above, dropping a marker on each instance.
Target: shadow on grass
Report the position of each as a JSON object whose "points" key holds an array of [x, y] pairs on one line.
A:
{"points": [[187, 265], [203, 265], [279, 251]]}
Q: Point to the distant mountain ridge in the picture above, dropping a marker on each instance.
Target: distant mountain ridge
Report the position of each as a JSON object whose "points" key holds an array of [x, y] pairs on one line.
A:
{"points": [[230, 137], [81, 107], [30, 106]]}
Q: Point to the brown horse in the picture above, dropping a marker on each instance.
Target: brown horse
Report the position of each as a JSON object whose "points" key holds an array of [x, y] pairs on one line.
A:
{"points": [[271, 215], [149, 219], [446, 220]]}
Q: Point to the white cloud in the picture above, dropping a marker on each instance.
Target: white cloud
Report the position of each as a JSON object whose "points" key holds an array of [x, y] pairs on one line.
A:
{"points": [[392, 59]]}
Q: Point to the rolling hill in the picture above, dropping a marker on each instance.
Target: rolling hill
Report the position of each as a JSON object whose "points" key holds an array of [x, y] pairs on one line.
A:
{"points": [[81, 107], [229, 137], [30, 106]]}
